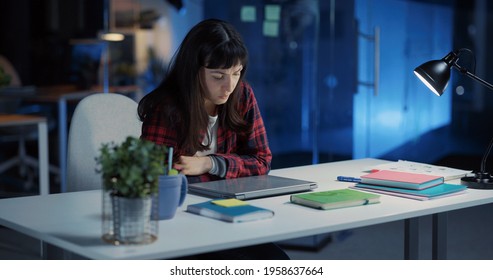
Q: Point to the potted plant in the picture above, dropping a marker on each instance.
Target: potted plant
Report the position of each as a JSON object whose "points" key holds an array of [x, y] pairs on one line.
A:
{"points": [[130, 173], [4, 78]]}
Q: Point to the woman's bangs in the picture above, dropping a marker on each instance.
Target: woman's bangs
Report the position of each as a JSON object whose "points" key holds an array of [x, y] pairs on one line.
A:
{"points": [[226, 56]]}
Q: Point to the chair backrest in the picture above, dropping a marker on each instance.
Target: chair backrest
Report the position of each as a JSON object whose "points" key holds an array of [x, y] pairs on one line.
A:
{"points": [[97, 119]]}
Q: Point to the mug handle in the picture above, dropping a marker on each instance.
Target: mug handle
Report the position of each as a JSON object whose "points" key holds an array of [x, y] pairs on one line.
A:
{"points": [[184, 189]]}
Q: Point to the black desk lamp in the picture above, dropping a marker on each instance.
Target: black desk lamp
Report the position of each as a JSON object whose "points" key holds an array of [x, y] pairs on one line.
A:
{"points": [[435, 74]]}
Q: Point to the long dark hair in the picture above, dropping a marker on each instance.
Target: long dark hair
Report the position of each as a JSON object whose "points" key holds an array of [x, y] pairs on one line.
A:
{"points": [[213, 44]]}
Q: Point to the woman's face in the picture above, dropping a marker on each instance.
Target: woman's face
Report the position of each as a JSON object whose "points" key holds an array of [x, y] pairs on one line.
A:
{"points": [[220, 83]]}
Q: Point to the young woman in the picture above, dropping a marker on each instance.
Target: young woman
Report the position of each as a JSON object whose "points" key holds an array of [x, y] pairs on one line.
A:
{"points": [[206, 111]]}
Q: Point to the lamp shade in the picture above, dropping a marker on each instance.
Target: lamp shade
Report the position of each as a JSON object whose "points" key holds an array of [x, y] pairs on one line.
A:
{"points": [[435, 74]]}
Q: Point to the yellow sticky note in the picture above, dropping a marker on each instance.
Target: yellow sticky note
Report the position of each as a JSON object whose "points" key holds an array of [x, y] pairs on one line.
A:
{"points": [[231, 202]]}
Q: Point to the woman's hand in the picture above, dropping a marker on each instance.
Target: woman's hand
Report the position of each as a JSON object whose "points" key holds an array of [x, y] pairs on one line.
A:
{"points": [[193, 165]]}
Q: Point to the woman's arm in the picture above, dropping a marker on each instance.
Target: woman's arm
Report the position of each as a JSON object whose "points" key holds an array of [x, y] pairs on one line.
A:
{"points": [[248, 154]]}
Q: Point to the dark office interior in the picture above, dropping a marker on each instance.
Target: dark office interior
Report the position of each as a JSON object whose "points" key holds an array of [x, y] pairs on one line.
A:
{"points": [[324, 92]]}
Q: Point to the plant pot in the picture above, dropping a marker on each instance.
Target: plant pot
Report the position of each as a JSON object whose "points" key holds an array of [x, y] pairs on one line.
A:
{"points": [[131, 221]]}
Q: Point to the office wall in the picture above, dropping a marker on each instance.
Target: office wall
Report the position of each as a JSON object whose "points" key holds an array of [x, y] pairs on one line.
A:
{"points": [[401, 109], [473, 103]]}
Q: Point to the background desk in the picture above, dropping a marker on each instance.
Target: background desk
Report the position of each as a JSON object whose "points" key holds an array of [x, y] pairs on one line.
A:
{"points": [[72, 221]]}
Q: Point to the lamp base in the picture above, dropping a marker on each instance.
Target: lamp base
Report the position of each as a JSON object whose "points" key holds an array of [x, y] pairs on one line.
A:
{"points": [[480, 181]]}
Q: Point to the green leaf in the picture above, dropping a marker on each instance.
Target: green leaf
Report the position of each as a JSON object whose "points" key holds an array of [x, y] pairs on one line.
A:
{"points": [[132, 168]]}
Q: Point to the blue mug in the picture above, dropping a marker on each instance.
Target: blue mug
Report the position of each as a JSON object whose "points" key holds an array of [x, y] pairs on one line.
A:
{"points": [[172, 192]]}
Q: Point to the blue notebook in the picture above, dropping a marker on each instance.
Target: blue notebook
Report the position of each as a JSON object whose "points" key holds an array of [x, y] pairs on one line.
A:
{"points": [[233, 214], [429, 193]]}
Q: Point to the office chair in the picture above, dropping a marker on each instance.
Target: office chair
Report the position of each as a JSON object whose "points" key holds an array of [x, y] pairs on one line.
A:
{"points": [[11, 103], [97, 119]]}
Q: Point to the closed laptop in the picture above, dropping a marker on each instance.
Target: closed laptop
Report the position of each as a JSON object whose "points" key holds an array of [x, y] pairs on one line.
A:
{"points": [[251, 187]]}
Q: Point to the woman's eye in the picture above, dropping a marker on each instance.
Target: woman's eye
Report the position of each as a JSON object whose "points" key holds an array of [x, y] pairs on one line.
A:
{"points": [[217, 77]]}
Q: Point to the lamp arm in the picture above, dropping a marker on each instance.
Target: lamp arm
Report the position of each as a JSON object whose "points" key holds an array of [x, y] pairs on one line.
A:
{"points": [[464, 71], [485, 157]]}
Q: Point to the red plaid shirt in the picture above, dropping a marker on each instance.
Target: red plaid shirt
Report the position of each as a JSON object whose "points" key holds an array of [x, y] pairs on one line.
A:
{"points": [[245, 155]]}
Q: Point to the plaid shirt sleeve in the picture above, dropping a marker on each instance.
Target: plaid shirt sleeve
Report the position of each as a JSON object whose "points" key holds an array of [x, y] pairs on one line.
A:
{"points": [[155, 129], [248, 154]]}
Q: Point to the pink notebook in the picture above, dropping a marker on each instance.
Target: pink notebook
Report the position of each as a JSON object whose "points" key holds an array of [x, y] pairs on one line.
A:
{"points": [[400, 179]]}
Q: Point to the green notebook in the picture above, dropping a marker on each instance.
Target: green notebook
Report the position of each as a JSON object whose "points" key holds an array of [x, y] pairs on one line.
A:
{"points": [[335, 199]]}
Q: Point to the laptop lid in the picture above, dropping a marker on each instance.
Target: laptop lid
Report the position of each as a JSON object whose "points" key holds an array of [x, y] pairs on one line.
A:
{"points": [[251, 187]]}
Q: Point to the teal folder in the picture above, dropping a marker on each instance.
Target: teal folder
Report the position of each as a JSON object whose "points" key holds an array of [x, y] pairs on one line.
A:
{"points": [[236, 214], [436, 191]]}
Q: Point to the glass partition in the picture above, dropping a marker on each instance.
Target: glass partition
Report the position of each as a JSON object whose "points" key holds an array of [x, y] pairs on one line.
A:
{"points": [[302, 69]]}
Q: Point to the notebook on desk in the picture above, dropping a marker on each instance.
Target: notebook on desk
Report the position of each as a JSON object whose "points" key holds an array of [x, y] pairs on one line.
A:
{"points": [[251, 187]]}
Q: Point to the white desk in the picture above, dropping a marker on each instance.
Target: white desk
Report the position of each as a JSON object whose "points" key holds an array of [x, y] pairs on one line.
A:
{"points": [[72, 221], [7, 120]]}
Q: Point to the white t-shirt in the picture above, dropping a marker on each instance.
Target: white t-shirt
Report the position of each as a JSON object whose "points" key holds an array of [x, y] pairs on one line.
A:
{"points": [[212, 133]]}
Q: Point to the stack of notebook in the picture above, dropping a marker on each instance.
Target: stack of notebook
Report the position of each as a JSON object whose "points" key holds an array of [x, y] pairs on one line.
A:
{"points": [[409, 185]]}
